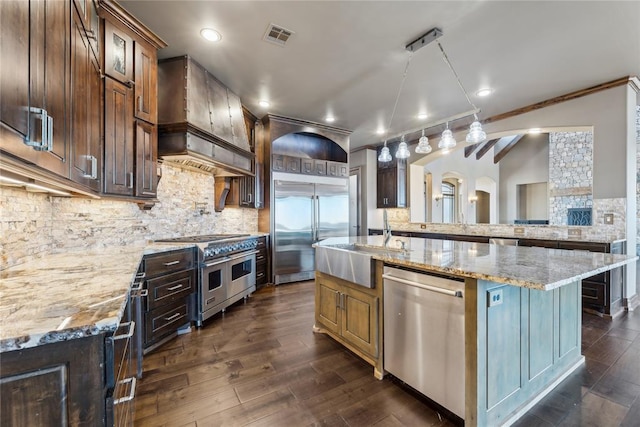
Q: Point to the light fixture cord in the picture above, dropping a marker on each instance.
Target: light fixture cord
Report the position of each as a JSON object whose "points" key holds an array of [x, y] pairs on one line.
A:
{"points": [[446, 59], [404, 77]]}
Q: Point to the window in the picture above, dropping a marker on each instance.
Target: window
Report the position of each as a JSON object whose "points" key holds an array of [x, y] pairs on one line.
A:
{"points": [[448, 203]]}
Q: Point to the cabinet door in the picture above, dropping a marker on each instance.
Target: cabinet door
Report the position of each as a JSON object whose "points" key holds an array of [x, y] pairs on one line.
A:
{"points": [[386, 188], [118, 139], [219, 109], [118, 53], [88, 12], [328, 305], [360, 320], [146, 88], [240, 138], [85, 118], [14, 78], [35, 82], [146, 159]]}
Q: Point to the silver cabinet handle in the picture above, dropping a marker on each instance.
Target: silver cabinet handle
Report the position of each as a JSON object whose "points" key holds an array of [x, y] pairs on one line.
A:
{"points": [[141, 275], [94, 167], [132, 328], [250, 198], [338, 300], [143, 293], [423, 286], [170, 318], [132, 392], [46, 127], [173, 288], [169, 264], [136, 286], [139, 102], [130, 175]]}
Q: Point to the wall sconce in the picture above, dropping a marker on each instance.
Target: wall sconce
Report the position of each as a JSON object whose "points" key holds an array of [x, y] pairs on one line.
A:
{"points": [[473, 199], [437, 197]]}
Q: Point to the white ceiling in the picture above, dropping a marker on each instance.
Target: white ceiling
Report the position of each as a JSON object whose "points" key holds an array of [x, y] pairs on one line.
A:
{"points": [[347, 58]]}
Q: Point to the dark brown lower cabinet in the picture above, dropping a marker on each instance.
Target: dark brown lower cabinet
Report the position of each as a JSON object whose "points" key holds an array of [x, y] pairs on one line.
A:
{"points": [[80, 382], [262, 262]]}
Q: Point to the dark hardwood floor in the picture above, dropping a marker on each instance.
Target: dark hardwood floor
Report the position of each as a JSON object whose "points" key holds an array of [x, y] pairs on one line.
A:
{"points": [[260, 364]]}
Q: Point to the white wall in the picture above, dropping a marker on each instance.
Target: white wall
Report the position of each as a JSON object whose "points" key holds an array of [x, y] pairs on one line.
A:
{"points": [[526, 163]]}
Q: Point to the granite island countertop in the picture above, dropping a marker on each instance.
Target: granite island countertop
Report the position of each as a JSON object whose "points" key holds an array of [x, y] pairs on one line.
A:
{"points": [[530, 267], [69, 295]]}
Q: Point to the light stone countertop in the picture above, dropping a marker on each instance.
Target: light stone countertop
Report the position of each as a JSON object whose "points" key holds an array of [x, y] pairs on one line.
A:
{"points": [[69, 295], [530, 267]]}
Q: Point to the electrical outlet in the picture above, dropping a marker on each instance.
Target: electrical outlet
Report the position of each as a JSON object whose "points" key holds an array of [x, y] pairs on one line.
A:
{"points": [[518, 231], [608, 218], [423, 226], [575, 232], [494, 297]]}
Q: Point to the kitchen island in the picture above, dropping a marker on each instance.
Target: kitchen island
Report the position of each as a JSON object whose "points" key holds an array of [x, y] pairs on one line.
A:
{"points": [[520, 317]]}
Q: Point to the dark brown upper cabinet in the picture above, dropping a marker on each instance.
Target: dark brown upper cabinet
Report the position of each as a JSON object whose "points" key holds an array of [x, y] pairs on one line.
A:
{"points": [[146, 78], [391, 186], [34, 83], [118, 53]]}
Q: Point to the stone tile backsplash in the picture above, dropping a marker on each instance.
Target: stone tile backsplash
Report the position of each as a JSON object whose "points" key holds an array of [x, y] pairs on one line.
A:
{"points": [[33, 225]]}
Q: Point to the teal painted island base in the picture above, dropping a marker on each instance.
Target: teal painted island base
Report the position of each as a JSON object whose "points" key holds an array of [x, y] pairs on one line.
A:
{"points": [[520, 343]]}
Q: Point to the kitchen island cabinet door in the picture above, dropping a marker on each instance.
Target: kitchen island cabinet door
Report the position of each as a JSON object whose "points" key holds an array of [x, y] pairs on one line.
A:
{"points": [[360, 320], [328, 305]]}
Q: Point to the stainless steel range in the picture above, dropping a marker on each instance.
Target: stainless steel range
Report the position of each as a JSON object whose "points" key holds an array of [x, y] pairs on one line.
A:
{"points": [[227, 270]]}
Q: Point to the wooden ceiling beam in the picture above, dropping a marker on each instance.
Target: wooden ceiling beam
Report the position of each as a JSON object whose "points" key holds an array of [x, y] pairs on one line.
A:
{"points": [[488, 146], [500, 155], [469, 149]]}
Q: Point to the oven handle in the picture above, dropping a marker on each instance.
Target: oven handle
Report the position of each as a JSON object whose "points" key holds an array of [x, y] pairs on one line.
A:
{"points": [[242, 255], [221, 261]]}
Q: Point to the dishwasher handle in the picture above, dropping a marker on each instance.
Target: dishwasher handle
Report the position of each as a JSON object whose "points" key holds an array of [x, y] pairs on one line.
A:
{"points": [[457, 294]]}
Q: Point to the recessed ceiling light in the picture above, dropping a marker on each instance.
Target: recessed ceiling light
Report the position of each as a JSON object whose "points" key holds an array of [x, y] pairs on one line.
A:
{"points": [[330, 119], [380, 131], [535, 130], [484, 92], [264, 104], [422, 116], [210, 34]]}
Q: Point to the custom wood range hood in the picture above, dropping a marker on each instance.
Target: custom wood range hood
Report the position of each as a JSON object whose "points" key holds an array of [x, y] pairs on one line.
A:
{"points": [[201, 123]]}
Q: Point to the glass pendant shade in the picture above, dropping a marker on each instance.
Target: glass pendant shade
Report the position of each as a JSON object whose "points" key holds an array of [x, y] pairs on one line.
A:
{"points": [[476, 134], [385, 155], [403, 150], [447, 140], [423, 145]]}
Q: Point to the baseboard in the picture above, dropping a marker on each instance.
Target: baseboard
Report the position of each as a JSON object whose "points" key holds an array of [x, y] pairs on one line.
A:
{"points": [[630, 304]]}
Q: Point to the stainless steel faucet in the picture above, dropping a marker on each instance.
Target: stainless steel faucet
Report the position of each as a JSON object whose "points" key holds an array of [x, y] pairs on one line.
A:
{"points": [[386, 228]]}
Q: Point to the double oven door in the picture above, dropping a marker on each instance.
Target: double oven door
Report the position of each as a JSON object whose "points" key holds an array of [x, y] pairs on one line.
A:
{"points": [[224, 281]]}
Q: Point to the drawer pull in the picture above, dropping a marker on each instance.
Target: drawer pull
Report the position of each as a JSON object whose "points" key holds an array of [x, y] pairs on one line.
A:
{"points": [[173, 288], [170, 318], [132, 328], [132, 392], [137, 286], [141, 275], [169, 264]]}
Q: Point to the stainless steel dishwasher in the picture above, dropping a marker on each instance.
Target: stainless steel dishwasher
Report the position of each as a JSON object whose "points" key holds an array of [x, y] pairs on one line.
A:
{"points": [[424, 334]]}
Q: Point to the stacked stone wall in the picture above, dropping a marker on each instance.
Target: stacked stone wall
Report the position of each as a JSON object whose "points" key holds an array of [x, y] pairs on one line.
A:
{"points": [[33, 225], [570, 173]]}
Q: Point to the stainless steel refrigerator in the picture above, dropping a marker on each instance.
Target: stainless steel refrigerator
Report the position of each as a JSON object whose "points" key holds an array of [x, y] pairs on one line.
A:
{"points": [[306, 210]]}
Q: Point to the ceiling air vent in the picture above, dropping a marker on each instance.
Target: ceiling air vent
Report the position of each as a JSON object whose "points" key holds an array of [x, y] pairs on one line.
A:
{"points": [[277, 35]]}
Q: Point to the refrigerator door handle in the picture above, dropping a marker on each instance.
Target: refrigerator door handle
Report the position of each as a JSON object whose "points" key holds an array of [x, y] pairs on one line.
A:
{"points": [[313, 219], [317, 237]]}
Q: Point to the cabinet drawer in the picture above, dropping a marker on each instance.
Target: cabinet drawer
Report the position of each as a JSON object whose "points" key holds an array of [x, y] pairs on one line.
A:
{"points": [[168, 262], [594, 293], [261, 277], [261, 256], [166, 289], [164, 320], [262, 243], [585, 246]]}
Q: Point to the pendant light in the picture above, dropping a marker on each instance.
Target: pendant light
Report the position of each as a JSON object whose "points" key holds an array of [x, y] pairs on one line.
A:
{"points": [[385, 155], [447, 140], [423, 145], [403, 150], [476, 134]]}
